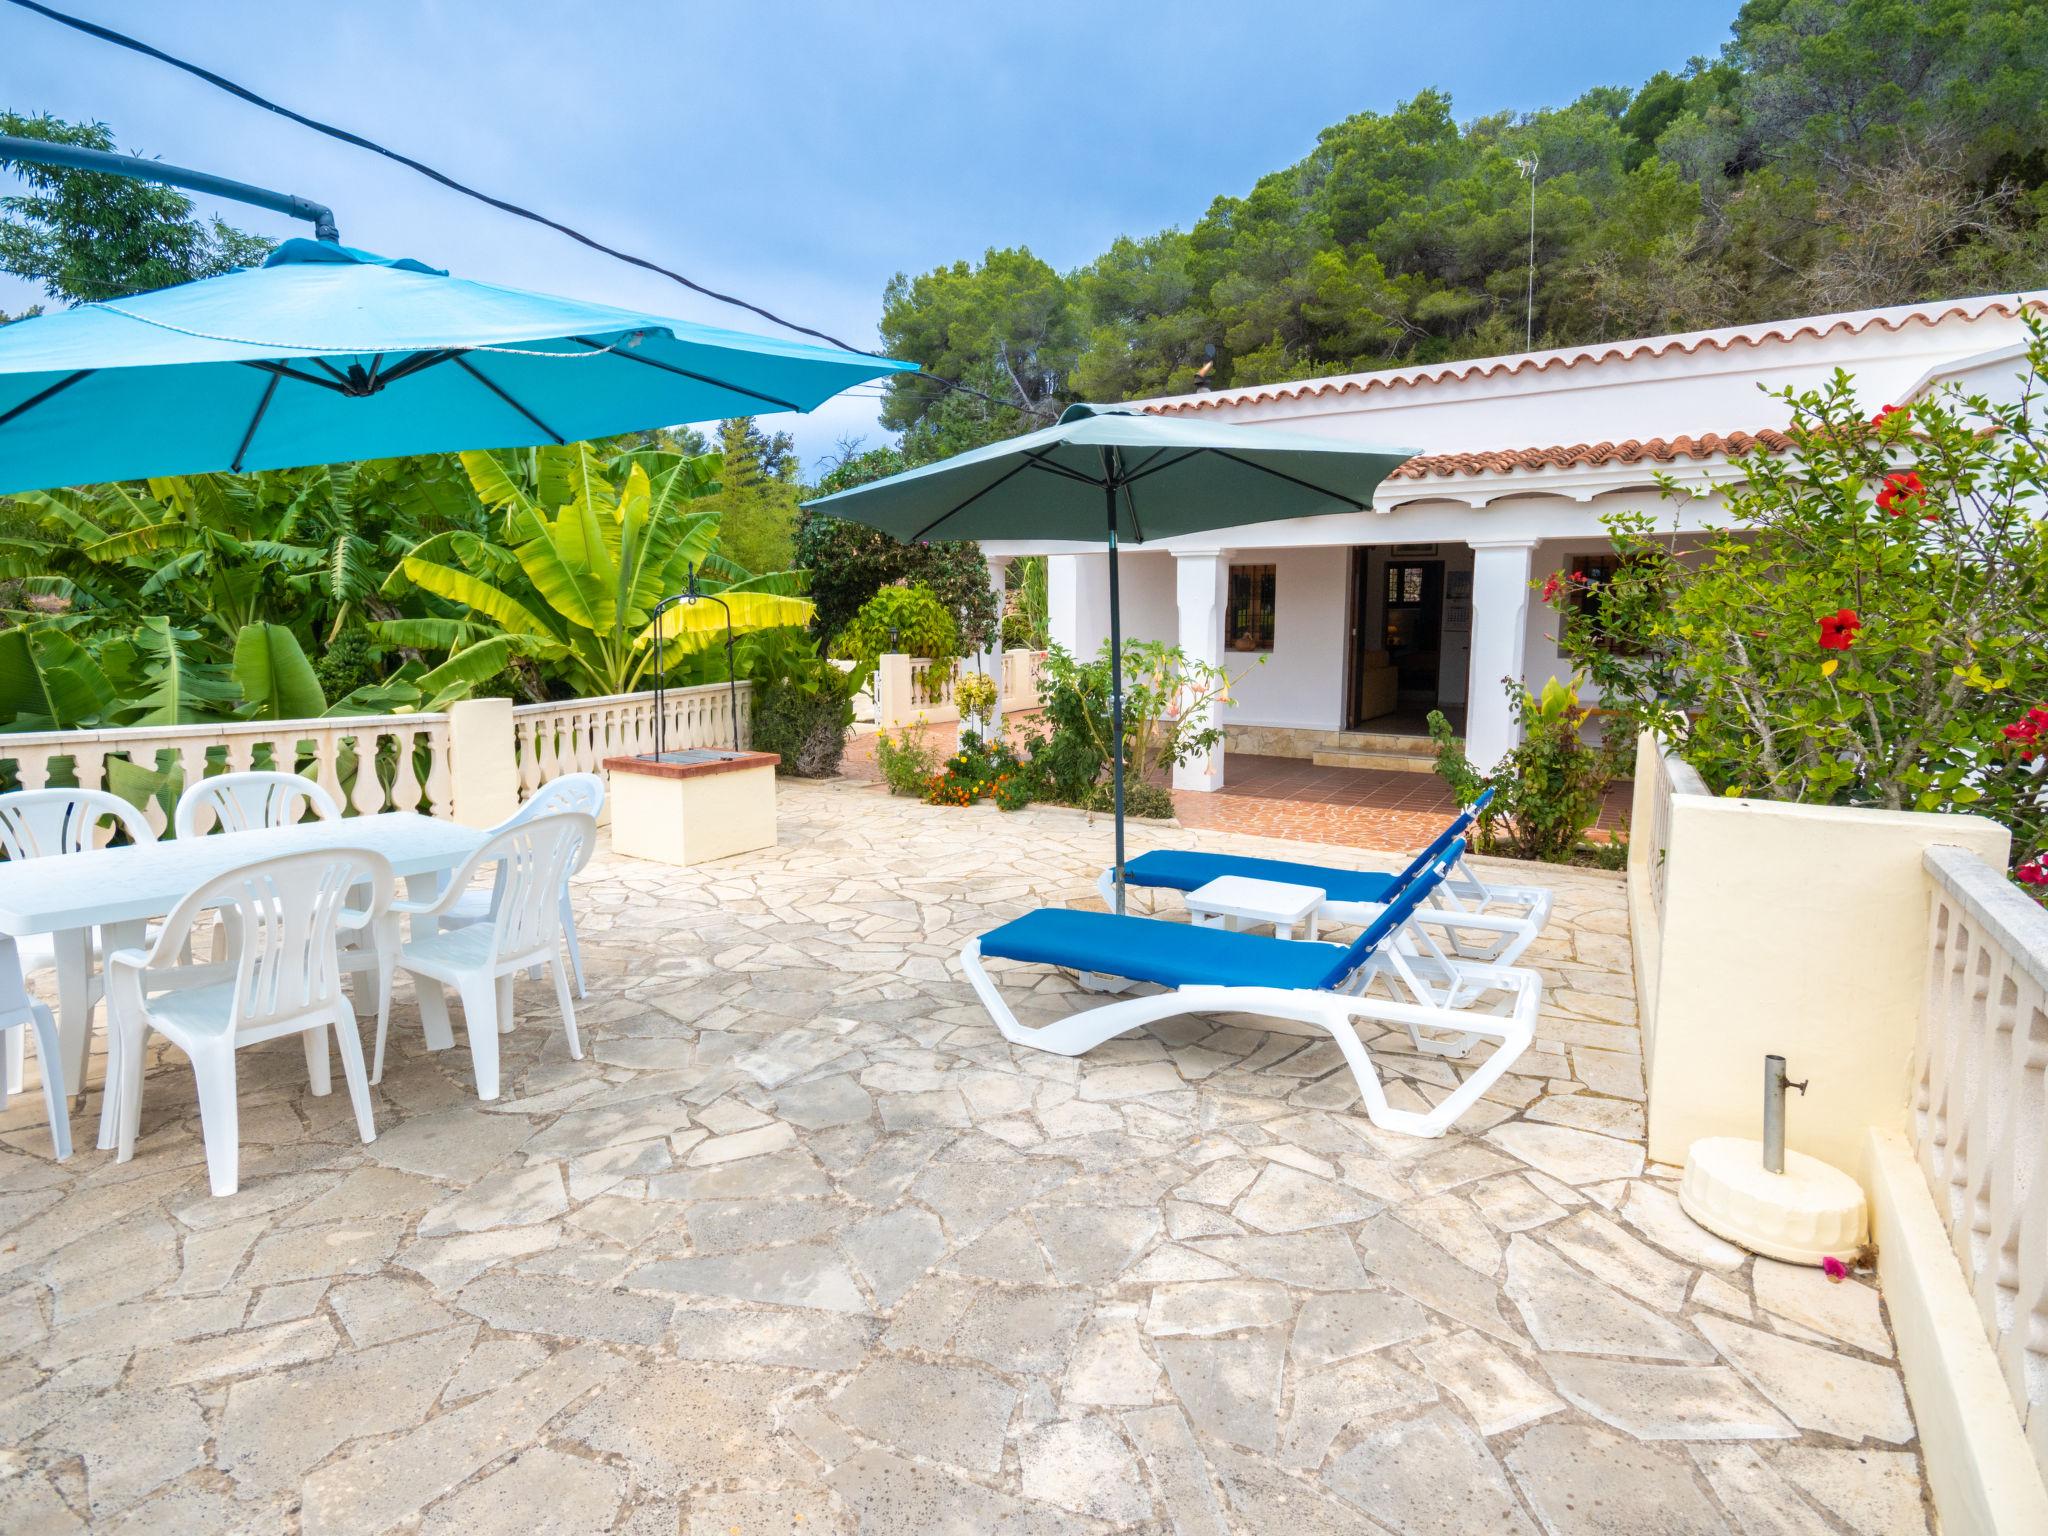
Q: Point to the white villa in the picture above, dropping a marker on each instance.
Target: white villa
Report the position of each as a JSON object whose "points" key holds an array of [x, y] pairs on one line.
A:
{"points": [[1366, 621]]}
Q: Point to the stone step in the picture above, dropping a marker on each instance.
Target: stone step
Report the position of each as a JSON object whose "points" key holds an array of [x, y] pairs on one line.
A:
{"points": [[1385, 741], [1395, 762]]}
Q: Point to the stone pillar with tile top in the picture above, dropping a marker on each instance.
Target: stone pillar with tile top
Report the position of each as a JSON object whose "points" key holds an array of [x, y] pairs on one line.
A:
{"points": [[1500, 634], [1200, 582]]}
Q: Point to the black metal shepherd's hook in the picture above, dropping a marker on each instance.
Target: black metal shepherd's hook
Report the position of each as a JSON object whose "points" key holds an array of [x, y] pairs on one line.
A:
{"points": [[687, 596]]}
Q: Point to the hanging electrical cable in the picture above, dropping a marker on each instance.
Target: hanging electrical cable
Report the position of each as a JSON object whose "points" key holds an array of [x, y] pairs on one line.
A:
{"points": [[220, 82]]}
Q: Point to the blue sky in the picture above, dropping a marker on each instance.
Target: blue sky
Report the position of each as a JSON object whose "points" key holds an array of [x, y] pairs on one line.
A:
{"points": [[797, 153]]}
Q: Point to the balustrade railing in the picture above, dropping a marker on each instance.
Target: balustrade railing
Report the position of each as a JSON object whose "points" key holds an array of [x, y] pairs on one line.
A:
{"points": [[1020, 679], [577, 735], [1980, 1110], [369, 763]]}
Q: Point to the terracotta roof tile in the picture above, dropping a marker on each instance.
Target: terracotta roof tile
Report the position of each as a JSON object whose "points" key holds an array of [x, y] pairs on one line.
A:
{"points": [[1575, 357], [1661, 450]]}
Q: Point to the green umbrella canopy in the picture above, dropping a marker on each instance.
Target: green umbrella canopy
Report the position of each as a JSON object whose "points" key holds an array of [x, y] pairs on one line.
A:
{"points": [[1110, 473], [1169, 477]]}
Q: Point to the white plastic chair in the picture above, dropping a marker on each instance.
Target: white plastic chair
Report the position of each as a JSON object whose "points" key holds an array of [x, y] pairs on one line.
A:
{"points": [[534, 861], [282, 976], [47, 823], [246, 802], [18, 1011], [572, 792]]}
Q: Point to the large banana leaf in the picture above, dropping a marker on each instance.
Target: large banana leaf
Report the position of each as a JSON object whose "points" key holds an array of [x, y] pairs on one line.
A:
{"points": [[571, 569], [781, 583], [275, 676], [429, 634], [691, 626], [48, 682], [473, 592], [483, 661], [146, 540], [180, 684]]}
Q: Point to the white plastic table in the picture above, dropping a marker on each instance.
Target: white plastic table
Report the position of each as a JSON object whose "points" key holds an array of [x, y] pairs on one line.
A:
{"points": [[1232, 901], [118, 890]]}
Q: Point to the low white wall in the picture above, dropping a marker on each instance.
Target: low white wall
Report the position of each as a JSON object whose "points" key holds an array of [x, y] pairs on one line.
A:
{"points": [[1794, 930]]}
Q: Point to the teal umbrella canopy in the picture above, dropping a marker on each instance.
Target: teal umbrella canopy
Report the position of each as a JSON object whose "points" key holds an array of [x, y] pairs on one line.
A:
{"points": [[1115, 474], [325, 353], [1168, 476]]}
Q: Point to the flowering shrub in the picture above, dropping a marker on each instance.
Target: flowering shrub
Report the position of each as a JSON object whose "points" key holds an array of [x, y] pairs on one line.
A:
{"points": [[981, 769], [1871, 625], [1547, 790], [907, 759]]}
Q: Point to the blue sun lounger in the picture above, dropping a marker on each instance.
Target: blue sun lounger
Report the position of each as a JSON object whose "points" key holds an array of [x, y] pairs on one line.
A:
{"points": [[1477, 920], [1212, 970]]}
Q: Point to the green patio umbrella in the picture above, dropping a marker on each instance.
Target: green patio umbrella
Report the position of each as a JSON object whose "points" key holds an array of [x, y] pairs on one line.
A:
{"points": [[1115, 472]]}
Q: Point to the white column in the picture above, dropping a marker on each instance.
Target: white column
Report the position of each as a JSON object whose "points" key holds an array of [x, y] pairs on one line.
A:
{"points": [[1500, 631], [998, 573], [1200, 582], [1077, 603]]}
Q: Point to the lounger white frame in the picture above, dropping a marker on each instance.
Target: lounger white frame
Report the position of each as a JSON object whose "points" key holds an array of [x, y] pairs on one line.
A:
{"points": [[1442, 993]]}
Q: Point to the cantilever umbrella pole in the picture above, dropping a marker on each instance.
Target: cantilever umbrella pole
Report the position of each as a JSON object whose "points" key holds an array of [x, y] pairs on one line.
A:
{"points": [[1116, 684]]}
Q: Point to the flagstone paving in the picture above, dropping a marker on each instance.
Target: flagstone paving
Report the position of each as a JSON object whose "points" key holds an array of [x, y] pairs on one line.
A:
{"points": [[802, 1245]]}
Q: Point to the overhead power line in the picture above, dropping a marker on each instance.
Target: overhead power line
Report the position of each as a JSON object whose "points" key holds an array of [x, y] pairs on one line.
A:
{"points": [[221, 82]]}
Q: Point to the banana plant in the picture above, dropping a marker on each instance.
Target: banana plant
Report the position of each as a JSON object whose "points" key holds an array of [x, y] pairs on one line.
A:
{"points": [[579, 553]]}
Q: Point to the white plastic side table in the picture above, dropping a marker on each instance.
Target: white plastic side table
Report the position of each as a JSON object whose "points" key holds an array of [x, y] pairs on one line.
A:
{"points": [[1233, 901]]}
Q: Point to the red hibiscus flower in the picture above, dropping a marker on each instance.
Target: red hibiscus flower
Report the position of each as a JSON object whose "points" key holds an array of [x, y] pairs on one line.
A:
{"points": [[1838, 630], [1552, 587], [1879, 419], [2034, 872], [1902, 493], [2028, 732]]}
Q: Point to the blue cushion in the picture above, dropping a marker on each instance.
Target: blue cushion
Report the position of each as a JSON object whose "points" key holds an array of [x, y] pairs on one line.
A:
{"points": [[1177, 869], [1151, 949]]}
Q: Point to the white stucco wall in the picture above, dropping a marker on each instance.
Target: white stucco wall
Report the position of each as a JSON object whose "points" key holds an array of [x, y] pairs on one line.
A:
{"points": [[1302, 682]]}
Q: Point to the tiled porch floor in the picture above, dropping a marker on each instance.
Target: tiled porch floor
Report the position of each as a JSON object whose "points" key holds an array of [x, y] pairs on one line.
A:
{"points": [[1293, 798], [803, 1246]]}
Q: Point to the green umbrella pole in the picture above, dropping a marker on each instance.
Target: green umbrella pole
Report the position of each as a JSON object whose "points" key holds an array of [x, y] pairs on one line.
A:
{"points": [[1116, 696]]}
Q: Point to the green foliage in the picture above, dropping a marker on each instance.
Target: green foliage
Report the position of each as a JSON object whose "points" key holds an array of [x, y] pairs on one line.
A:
{"points": [[583, 550], [349, 661], [84, 236], [908, 759], [1868, 627], [1839, 154], [275, 676], [1166, 703], [1548, 790], [803, 704], [1029, 626], [981, 769], [755, 496], [849, 563], [1143, 799], [902, 620]]}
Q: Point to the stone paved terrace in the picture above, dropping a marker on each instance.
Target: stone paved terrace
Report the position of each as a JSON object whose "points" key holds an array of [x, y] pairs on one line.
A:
{"points": [[802, 1246]]}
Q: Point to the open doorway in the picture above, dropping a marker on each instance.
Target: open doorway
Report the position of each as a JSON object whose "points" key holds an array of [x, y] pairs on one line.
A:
{"points": [[1410, 622]]}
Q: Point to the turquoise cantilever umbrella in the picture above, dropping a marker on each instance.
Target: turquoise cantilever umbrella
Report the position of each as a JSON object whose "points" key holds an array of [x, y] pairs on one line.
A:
{"points": [[326, 353], [1120, 475]]}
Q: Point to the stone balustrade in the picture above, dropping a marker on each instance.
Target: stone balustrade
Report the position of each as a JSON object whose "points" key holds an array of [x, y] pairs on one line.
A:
{"points": [[1980, 1110]]}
